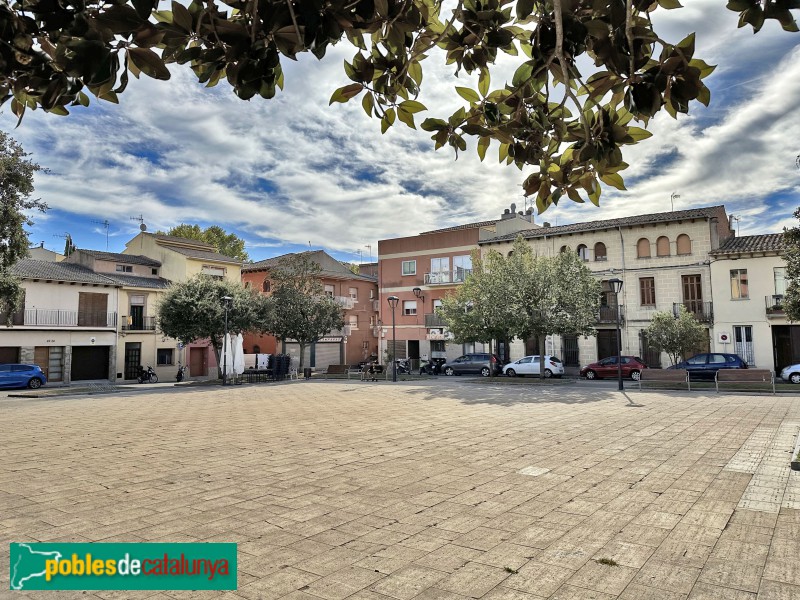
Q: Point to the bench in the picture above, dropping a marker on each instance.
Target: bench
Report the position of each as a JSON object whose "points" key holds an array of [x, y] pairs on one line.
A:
{"points": [[669, 375], [745, 376], [342, 370], [366, 375]]}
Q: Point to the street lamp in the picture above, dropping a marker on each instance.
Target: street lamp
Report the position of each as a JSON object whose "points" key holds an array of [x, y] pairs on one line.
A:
{"points": [[226, 300], [616, 287], [393, 300]]}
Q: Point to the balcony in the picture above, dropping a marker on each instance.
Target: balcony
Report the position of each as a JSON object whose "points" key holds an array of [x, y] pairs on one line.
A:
{"points": [[438, 336], [447, 277], [608, 314], [376, 305], [345, 302], [434, 320], [702, 311], [44, 317], [130, 323], [775, 306], [376, 331], [343, 332]]}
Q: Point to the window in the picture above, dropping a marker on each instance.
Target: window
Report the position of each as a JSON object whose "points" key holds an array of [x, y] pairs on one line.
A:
{"points": [[462, 266], [647, 291], [372, 321], [329, 290], [564, 249], [684, 244], [164, 356], [256, 349], [583, 252], [154, 271], [371, 294], [739, 289], [217, 273], [440, 265], [409, 307], [643, 248], [266, 286], [353, 293], [662, 246], [352, 320], [437, 304], [600, 251], [124, 269], [409, 267], [780, 281]]}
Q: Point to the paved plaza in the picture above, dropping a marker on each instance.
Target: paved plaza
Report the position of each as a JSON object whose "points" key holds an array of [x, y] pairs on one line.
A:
{"points": [[421, 491]]}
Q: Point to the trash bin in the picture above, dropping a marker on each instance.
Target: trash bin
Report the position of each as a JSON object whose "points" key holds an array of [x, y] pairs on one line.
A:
{"points": [[307, 372]]}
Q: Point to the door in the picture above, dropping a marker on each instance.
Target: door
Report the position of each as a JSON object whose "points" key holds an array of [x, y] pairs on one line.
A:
{"points": [[137, 318], [413, 354], [606, 343], [571, 352], [198, 362], [55, 365], [9, 354], [133, 359], [743, 343], [650, 356], [89, 362], [523, 366], [326, 354], [692, 293], [607, 367], [41, 357]]}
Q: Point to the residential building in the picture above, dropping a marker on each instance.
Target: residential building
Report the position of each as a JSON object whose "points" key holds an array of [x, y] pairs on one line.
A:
{"points": [[356, 293], [748, 275], [41, 253], [421, 270], [662, 259]]}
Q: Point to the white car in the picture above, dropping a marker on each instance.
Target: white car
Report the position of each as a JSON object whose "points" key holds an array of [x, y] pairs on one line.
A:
{"points": [[791, 374], [529, 365]]}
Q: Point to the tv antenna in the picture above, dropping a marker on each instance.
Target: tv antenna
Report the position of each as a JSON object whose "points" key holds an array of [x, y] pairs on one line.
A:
{"points": [[360, 256], [736, 218], [370, 251], [67, 237], [142, 226], [105, 224]]}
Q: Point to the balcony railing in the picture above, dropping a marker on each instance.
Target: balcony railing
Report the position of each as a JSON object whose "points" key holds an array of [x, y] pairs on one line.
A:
{"points": [[445, 277], [775, 305], [608, 314], [434, 320], [345, 302], [130, 323], [45, 317], [702, 311]]}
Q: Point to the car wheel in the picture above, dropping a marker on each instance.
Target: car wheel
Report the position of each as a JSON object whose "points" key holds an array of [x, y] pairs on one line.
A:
{"points": [[635, 375], [591, 375], [548, 373], [449, 371], [35, 383], [485, 372], [511, 373], [794, 377]]}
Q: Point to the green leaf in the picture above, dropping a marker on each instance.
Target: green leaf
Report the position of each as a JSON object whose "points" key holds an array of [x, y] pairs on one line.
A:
{"points": [[415, 72], [638, 134], [149, 63], [483, 146], [613, 179], [705, 69], [382, 7], [469, 95], [368, 103], [484, 81], [182, 17], [739, 5], [669, 4], [502, 152], [343, 94], [434, 125], [412, 106], [406, 117], [83, 99]]}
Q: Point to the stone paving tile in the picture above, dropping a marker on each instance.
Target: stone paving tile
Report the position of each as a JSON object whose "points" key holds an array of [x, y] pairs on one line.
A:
{"points": [[473, 580], [775, 590]]}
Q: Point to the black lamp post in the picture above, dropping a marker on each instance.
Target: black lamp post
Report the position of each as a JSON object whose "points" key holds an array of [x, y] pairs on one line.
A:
{"points": [[616, 287], [227, 303], [393, 300]]}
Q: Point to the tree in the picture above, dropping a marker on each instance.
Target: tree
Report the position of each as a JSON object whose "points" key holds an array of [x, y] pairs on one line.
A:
{"points": [[195, 310], [675, 336], [300, 310], [791, 253], [228, 244], [16, 187], [567, 126]]}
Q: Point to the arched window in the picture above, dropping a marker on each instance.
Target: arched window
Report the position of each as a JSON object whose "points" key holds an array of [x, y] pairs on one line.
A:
{"points": [[600, 251], [564, 248], [662, 246], [643, 248], [256, 349], [583, 252], [684, 244], [266, 286], [510, 253]]}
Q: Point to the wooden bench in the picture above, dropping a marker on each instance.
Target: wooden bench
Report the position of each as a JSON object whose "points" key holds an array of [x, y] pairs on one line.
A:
{"points": [[670, 375], [745, 376], [342, 370]]}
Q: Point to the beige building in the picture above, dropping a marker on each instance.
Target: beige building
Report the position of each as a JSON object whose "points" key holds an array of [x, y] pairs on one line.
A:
{"points": [[748, 275]]}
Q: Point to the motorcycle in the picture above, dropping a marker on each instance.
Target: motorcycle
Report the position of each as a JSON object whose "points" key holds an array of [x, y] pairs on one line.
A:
{"points": [[147, 375], [432, 367], [181, 371], [403, 366]]}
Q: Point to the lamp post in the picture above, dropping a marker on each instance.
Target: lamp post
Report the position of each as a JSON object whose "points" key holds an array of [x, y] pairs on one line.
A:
{"points": [[393, 300], [616, 287], [226, 300]]}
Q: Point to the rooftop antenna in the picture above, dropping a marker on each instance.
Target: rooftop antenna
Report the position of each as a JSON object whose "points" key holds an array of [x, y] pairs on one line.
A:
{"points": [[360, 256], [105, 224], [370, 251], [68, 245], [736, 218], [140, 218], [672, 197]]}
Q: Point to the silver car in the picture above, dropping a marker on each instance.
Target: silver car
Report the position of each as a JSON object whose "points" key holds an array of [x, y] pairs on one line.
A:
{"points": [[791, 374]]}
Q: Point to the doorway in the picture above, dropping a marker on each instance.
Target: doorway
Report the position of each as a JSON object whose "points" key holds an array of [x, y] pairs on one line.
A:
{"points": [[133, 359], [692, 294], [606, 343], [198, 362], [571, 352], [89, 362]]}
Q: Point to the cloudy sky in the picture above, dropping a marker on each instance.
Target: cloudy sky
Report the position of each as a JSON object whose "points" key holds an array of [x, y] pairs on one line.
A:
{"points": [[292, 172]]}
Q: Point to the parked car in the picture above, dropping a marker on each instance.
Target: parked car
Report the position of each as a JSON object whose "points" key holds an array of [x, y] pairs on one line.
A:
{"points": [[529, 365], [20, 376], [478, 362], [705, 366], [631, 367], [791, 374]]}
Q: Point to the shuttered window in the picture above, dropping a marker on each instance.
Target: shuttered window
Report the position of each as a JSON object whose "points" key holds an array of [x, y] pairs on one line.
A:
{"points": [[92, 309]]}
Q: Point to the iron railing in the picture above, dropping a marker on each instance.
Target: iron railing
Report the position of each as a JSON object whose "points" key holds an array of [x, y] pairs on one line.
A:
{"points": [[444, 277], [774, 304], [131, 323], [434, 320], [608, 314], [702, 311], [54, 317]]}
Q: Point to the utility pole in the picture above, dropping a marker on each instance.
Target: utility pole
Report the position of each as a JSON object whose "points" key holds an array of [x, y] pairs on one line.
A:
{"points": [[370, 251], [105, 224]]}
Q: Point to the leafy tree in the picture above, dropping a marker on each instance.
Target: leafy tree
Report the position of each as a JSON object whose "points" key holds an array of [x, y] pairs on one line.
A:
{"points": [[228, 244], [16, 187], [677, 337], [195, 310], [300, 310], [568, 126], [791, 253]]}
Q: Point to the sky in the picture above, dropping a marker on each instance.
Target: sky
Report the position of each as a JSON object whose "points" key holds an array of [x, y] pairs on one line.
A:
{"points": [[293, 173]]}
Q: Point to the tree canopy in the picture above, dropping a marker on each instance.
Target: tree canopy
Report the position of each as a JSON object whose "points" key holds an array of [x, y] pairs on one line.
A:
{"points": [[676, 336], [791, 301], [226, 243], [567, 125]]}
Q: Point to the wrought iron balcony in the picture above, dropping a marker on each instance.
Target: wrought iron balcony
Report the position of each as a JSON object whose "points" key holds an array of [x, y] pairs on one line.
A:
{"points": [[447, 277], [775, 305], [608, 314], [132, 323], [702, 311], [434, 320]]}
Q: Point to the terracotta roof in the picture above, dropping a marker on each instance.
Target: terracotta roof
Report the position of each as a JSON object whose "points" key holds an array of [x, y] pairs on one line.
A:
{"points": [[678, 215], [318, 256], [158, 283], [768, 242], [181, 240], [131, 259], [29, 268], [205, 255], [466, 226]]}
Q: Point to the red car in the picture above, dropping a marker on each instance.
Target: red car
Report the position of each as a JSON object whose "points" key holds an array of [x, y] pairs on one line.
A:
{"points": [[631, 367]]}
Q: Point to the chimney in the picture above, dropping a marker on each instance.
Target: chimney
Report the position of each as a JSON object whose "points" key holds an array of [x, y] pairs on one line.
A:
{"points": [[546, 224]]}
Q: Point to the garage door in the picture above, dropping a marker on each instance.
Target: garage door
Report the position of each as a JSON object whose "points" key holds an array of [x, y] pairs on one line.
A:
{"points": [[293, 350], [327, 354], [89, 362], [9, 355]]}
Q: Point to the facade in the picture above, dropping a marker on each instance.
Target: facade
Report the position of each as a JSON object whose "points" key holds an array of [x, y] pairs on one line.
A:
{"points": [[749, 281], [357, 294], [663, 260], [421, 270], [41, 253]]}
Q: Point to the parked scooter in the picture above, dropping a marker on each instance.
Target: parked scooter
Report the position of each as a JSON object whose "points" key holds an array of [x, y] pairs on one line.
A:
{"points": [[432, 367], [181, 371], [403, 366], [147, 375]]}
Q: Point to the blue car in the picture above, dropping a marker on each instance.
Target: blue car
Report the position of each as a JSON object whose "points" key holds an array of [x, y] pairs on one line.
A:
{"points": [[705, 366], [20, 376]]}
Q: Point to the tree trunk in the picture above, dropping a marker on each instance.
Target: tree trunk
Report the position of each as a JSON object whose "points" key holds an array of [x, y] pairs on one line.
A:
{"points": [[491, 353], [217, 347], [302, 353], [541, 355]]}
